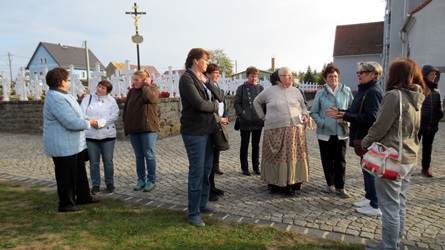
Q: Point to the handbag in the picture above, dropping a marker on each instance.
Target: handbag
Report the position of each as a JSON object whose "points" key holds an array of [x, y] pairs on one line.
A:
{"points": [[221, 137], [358, 147], [383, 161]]}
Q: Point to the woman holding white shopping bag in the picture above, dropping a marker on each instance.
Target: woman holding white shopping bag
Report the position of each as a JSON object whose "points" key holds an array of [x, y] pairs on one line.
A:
{"points": [[404, 76]]}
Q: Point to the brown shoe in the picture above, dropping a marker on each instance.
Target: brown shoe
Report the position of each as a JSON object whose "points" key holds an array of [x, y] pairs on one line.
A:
{"points": [[427, 172], [342, 193]]}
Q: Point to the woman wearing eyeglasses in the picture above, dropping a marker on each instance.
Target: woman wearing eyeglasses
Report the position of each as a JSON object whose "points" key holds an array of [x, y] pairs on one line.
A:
{"points": [[64, 140], [199, 100], [284, 160], [361, 115]]}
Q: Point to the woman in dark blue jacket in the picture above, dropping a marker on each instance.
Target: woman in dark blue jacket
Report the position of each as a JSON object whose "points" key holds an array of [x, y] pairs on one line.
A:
{"points": [[361, 115]]}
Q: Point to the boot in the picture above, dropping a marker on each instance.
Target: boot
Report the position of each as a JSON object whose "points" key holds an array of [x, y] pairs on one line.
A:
{"points": [[216, 169], [213, 197]]}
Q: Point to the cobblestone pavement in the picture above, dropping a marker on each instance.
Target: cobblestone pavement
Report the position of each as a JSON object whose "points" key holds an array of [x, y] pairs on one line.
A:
{"points": [[247, 198]]}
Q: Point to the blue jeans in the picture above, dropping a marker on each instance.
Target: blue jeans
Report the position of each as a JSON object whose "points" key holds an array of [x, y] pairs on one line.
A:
{"points": [[144, 151], [392, 200], [370, 192], [200, 155], [95, 150], [370, 189]]}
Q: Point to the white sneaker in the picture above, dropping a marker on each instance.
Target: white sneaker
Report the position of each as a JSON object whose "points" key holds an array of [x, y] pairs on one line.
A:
{"points": [[368, 210], [362, 202]]}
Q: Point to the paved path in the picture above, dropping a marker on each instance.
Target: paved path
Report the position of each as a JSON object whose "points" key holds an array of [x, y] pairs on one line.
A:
{"points": [[248, 199]]}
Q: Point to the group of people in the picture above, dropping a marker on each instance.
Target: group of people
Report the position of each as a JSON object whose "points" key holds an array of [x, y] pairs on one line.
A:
{"points": [[71, 130], [74, 133], [203, 107], [372, 117]]}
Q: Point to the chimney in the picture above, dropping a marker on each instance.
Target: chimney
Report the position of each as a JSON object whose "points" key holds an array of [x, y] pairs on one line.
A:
{"points": [[273, 63]]}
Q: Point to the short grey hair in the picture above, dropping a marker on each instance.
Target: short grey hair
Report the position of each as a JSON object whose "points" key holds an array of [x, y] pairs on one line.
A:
{"points": [[371, 67], [280, 70]]}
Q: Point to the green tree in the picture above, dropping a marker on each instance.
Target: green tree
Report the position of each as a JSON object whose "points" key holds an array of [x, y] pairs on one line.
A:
{"points": [[309, 75], [320, 79], [220, 58]]}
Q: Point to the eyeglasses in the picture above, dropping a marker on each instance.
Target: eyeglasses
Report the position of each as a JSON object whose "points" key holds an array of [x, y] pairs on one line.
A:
{"points": [[362, 72], [287, 76]]}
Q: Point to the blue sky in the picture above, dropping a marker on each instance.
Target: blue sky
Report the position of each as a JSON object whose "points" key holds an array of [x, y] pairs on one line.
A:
{"points": [[299, 33]]}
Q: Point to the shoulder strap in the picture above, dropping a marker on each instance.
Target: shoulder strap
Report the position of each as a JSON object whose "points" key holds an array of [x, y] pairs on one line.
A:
{"points": [[400, 127], [89, 102], [363, 100]]}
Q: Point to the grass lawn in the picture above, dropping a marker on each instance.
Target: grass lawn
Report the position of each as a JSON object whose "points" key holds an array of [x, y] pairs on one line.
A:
{"points": [[29, 220]]}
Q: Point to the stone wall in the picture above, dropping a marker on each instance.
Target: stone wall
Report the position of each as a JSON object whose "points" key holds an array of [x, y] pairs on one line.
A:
{"points": [[27, 116]]}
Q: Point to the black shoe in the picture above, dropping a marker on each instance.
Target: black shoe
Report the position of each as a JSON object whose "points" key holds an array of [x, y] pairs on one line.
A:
{"points": [[297, 186], [274, 188], [95, 190], [110, 188], [257, 172], [218, 171], [246, 172], [70, 208], [217, 191], [93, 200], [213, 197], [289, 190]]}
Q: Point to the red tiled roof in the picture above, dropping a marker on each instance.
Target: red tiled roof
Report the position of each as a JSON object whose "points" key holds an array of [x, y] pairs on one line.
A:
{"points": [[420, 7], [358, 39]]}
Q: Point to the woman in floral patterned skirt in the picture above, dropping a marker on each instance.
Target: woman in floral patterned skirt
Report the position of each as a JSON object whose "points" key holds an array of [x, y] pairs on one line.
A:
{"points": [[284, 160]]}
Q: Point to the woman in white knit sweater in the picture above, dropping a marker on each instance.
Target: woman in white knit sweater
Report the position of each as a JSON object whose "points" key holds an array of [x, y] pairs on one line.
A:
{"points": [[284, 161]]}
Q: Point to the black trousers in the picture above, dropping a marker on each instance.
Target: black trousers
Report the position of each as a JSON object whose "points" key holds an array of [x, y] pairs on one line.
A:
{"points": [[72, 180], [245, 138], [332, 154], [216, 153], [427, 148], [216, 157]]}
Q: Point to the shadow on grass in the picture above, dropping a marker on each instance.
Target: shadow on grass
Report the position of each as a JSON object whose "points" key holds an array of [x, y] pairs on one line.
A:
{"points": [[29, 220]]}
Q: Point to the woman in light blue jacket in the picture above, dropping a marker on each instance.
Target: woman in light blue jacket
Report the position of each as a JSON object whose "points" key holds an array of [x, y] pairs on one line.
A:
{"points": [[64, 141], [332, 134]]}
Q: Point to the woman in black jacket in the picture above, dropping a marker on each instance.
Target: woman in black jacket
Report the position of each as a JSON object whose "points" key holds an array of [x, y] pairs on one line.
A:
{"points": [[250, 123], [200, 100], [431, 115]]}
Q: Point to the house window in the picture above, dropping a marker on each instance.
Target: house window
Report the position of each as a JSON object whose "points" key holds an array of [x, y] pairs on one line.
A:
{"points": [[41, 73], [82, 75], [43, 60]]}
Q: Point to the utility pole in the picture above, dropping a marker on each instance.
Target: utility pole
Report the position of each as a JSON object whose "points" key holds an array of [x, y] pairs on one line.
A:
{"points": [[137, 39], [10, 66], [87, 56]]}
